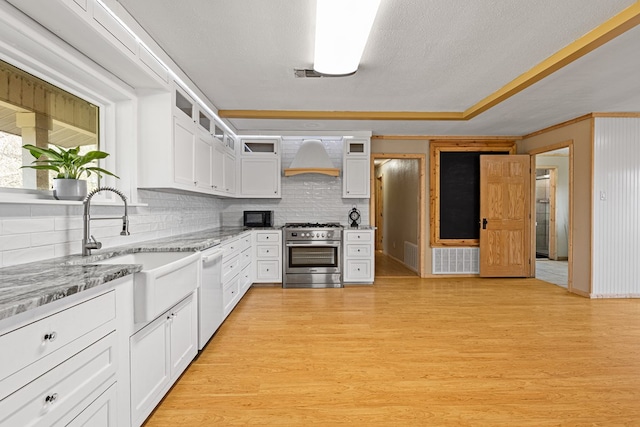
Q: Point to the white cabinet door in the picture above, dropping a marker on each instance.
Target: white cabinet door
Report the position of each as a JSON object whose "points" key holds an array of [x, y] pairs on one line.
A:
{"points": [[356, 178], [260, 177], [217, 167], [202, 162], [229, 174], [184, 335], [183, 152], [150, 367]]}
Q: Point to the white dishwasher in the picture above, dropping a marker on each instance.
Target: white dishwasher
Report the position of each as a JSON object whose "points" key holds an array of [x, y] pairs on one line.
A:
{"points": [[210, 304]]}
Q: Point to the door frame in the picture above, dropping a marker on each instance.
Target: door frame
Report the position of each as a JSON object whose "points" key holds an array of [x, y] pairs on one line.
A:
{"points": [[422, 173], [379, 212], [564, 144]]}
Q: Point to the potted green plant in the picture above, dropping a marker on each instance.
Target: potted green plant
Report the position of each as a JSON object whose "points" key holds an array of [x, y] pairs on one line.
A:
{"points": [[69, 165]]}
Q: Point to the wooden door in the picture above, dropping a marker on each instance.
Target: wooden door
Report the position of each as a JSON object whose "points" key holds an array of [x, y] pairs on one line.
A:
{"points": [[504, 216]]}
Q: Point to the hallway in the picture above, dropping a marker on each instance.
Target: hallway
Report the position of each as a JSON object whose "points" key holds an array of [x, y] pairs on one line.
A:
{"points": [[387, 266]]}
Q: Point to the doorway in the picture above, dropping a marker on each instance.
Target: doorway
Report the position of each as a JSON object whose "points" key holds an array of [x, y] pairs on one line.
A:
{"points": [[552, 227], [397, 210], [545, 219]]}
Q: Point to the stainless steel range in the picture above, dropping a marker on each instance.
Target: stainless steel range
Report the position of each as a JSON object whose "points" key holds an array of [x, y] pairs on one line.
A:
{"points": [[312, 255]]}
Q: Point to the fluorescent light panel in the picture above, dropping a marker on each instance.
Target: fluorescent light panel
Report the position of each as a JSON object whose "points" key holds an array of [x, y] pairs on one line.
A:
{"points": [[342, 29]]}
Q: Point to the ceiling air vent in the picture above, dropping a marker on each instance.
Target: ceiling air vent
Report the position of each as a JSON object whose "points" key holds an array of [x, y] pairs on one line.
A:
{"points": [[304, 73]]}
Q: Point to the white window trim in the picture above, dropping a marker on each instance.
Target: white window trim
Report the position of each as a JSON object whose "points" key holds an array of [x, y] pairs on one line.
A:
{"points": [[16, 54]]}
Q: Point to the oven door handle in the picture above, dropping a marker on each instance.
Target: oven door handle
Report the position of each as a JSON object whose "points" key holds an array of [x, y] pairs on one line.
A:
{"points": [[323, 244]]}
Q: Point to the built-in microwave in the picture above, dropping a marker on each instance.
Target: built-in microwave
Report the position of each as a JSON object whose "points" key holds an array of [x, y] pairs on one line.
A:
{"points": [[258, 219]]}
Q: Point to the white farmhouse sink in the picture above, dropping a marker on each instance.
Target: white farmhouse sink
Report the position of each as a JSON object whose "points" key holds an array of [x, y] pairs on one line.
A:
{"points": [[165, 279]]}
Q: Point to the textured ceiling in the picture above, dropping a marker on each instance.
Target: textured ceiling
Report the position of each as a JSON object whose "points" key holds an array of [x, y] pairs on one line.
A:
{"points": [[423, 55]]}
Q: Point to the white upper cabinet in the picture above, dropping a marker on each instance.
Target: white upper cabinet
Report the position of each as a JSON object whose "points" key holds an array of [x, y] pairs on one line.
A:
{"points": [[260, 167], [356, 168], [181, 146]]}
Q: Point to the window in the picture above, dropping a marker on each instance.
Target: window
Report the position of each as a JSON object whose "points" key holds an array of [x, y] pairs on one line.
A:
{"points": [[33, 111], [455, 189]]}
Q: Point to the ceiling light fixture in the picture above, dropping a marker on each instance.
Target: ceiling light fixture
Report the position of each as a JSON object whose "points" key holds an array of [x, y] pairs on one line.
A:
{"points": [[342, 29]]}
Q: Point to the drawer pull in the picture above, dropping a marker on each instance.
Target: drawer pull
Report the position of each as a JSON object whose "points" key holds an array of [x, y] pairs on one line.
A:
{"points": [[51, 336], [51, 398]]}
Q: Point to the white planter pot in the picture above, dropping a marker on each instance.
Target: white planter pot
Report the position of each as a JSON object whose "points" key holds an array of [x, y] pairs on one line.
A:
{"points": [[69, 189]]}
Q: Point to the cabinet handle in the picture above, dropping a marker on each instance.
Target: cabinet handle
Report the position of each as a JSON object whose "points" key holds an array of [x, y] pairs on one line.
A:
{"points": [[51, 336], [51, 398]]}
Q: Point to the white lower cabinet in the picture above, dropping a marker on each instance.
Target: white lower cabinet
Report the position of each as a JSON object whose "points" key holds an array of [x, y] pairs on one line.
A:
{"points": [[236, 270], [159, 353], [267, 254], [101, 412], [359, 256], [54, 368]]}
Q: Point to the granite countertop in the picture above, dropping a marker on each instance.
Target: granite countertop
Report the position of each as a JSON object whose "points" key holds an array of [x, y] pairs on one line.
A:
{"points": [[27, 286], [360, 227]]}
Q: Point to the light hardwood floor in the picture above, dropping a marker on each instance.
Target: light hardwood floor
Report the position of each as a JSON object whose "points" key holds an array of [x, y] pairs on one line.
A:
{"points": [[416, 352], [387, 266]]}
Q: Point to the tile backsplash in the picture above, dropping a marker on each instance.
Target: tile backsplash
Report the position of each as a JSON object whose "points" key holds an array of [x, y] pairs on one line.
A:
{"points": [[306, 197], [33, 232]]}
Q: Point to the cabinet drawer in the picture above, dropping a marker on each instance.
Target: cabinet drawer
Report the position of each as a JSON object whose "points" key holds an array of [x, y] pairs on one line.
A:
{"points": [[358, 251], [60, 391], [245, 258], [101, 412], [230, 248], [267, 269], [268, 251], [358, 269], [36, 340], [358, 236], [230, 268], [230, 294], [268, 236], [244, 281], [244, 242]]}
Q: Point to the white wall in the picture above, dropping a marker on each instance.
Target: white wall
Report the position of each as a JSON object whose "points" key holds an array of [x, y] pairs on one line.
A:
{"points": [[616, 207]]}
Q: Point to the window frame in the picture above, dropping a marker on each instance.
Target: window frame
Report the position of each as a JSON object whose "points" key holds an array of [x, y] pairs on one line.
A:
{"points": [[106, 120], [439, 146]]}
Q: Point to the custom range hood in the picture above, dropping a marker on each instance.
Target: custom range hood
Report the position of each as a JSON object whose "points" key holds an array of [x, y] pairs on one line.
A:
{"points": [[311, 158]]}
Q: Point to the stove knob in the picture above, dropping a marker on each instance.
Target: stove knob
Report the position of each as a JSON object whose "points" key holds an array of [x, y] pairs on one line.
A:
{"points": [[322, 234]]}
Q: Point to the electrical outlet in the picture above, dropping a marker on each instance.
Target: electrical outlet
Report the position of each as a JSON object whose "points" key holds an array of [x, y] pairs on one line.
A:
{"points": [[603, 196]]}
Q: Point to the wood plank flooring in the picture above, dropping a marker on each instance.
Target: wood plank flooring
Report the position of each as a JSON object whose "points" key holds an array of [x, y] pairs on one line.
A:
{"points": [[387, 266], [416, 352]]}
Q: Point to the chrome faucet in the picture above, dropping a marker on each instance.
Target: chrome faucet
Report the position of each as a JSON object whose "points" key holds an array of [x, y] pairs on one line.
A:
{"points": [[88, 241]]}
